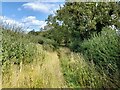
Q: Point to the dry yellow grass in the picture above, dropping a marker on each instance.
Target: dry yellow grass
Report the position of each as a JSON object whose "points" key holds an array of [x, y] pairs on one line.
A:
{"points": [[52, 71], [43, 72]]}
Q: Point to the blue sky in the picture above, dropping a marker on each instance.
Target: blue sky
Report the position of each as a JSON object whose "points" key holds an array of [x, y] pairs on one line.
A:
{"points": [[30, 15]]}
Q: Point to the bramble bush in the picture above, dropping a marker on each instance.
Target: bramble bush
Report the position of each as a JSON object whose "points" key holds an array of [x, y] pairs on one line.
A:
{"points": [[96, 65], [103, 49]]}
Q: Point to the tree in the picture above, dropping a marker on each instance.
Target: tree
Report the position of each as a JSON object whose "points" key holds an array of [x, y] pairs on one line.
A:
{"points": [[80, 20], [33, 32]]}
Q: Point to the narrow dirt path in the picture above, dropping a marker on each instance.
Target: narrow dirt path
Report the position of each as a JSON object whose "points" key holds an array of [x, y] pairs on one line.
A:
{"points": [[52, 71]]}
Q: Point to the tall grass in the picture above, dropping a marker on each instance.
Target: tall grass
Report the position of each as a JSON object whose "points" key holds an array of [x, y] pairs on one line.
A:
{"points": [[80, 73], [16, 50], [98, 66], [42, 72], [27, 64]]}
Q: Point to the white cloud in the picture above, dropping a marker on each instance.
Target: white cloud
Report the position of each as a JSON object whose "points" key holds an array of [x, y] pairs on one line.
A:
{"points": [[28, 23], [42, 7], [5, 20], [32, 21]]}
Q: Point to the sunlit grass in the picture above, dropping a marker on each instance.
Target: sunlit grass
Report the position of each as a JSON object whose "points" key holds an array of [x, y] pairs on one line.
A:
{"points": [[43, 72], [27, 64]]}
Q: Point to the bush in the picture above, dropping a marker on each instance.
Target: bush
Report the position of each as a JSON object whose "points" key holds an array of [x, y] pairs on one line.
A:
{"points": [[103, 49], [79, 73], [75, 46], [16, 48]]}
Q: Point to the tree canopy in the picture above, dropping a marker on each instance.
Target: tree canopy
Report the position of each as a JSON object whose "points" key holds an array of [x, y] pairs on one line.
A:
{"points": [[79, 20]]}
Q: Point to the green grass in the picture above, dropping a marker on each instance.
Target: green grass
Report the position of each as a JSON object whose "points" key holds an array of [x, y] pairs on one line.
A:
{"points": [[80, 73], [16, 50], [28, 63], [75, 70], [43, 72]]}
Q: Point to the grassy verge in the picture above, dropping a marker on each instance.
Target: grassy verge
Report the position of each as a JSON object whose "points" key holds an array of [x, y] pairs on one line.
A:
{"points": [[79, 73], [43, 72], [27, 64]]}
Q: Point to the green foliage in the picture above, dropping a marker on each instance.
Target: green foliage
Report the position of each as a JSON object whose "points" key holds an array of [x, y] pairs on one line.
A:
{"points": [[78, 20], [104, 50], [75, 46], [43, 38], [79, 73], [79, 26], [16, 48]]}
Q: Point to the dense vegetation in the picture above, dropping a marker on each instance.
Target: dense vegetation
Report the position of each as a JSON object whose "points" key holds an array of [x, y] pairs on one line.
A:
{"points": [[81, 36], [77, 21]]}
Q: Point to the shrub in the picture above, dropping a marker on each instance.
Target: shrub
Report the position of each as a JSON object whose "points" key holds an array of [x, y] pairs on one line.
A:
{"points": [[79, 73], [16, 48], [103, 49], [75, 46]]}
